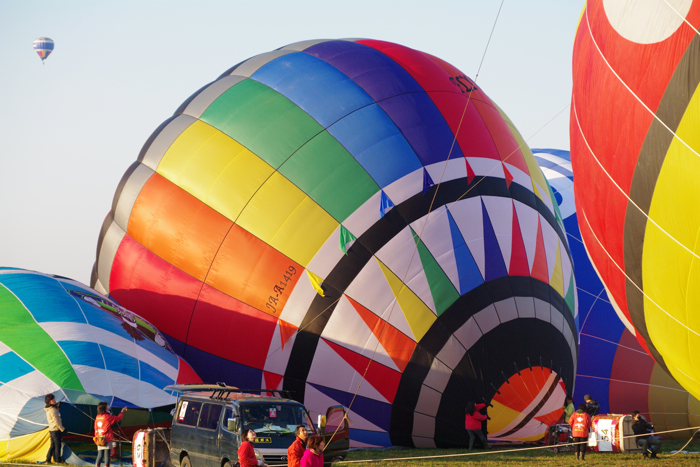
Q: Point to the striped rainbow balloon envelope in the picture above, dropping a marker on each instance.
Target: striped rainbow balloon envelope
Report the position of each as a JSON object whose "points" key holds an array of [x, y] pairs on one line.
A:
{"points": [[352, 217]]}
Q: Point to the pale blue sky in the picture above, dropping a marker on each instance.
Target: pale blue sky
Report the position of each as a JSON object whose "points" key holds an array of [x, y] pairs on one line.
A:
{"points": [[70, 129]]}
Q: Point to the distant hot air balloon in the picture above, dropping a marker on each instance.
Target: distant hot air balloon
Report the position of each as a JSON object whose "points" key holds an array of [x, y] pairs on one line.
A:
{"points": [[635, 153], [60, 337], [314, 217], [43, 46], [612, 366]]}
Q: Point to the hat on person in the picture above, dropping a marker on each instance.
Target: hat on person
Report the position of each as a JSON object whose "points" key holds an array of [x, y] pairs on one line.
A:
{"points": [[587, 397]]}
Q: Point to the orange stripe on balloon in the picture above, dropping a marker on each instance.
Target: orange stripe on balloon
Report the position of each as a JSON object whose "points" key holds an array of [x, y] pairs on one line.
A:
{"points": [[176, 226], [253, 272]]}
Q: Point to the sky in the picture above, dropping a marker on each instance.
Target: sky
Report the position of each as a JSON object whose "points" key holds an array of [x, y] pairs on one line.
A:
{"points": [[70, 129]]}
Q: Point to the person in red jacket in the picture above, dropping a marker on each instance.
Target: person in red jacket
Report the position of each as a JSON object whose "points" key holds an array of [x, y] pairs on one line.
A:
{"points": [[296, 450], [472, 423], [246, 453], [103, 427], [580, 423]]}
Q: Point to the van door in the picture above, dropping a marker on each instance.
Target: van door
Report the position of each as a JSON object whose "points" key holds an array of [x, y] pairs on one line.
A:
{"points": [[336, 434], [229, 441], [208, 434]]}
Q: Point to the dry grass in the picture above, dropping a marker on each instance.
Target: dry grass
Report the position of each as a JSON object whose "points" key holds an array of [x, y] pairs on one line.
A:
{"points": [[522, 457]]}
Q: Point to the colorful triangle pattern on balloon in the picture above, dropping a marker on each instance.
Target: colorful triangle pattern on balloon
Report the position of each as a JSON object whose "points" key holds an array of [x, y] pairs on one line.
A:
{"points": [[557, 279], [398, 345], [383, 379], [419, 317], [443, 292], [495, 266], [287, 330], [518, 256], [539, 265], [469, 275], [272, 380]]}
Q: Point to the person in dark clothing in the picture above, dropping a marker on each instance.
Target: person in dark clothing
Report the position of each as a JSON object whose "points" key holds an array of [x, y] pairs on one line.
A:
{"points": [[648, 443], [592, 407]]}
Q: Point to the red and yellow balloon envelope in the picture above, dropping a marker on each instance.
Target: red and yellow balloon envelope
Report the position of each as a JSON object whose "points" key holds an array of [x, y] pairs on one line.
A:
{"points": [[324, 206], [634, 149]]}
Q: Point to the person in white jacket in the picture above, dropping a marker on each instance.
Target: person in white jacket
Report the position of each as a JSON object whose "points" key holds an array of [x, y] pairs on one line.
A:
{"points": [[55, 429]]}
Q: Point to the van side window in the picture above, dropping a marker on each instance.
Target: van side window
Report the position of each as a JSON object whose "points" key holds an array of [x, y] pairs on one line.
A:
{"points": [[211, 413], [189, 413]]}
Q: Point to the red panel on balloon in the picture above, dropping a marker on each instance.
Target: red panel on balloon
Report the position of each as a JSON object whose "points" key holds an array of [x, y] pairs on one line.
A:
{"points": [[630, 377], [221, 323], [155, 289]]}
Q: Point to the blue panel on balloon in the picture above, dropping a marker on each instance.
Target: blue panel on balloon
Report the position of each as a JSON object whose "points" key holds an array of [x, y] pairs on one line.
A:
{"points": [[423, 126], [374, 438], [152, 376], [216, 369], [467, 270], [120, 362], [375, 142], [371, 410], [318, 88], [43, 295], [119, 403], [83, 353], [177, 346], [376, 73], [13, 367], [495, 266]]}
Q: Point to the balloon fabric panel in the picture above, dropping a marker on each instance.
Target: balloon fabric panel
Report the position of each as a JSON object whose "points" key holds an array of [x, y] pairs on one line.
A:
{"points": [[155, 284], [322, 168], [319, 89], [248, 268], [194, 231], [262, 120], [22, 333], [189, 164]]}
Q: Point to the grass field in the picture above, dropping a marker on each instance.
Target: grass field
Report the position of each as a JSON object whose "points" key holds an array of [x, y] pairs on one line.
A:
{"points": [[539, 457]]}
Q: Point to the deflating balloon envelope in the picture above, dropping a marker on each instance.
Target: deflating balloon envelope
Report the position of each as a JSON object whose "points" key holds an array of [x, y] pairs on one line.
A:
{"points": [[61, 337], [313, 218]]}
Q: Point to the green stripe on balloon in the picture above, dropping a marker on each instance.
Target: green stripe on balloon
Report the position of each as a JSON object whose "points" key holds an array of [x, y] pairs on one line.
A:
{"points": [[21, 333], [326, 171], [263, 120]]}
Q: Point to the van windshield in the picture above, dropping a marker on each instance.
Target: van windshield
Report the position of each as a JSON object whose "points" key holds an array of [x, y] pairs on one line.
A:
{"points": [[274, 418]]}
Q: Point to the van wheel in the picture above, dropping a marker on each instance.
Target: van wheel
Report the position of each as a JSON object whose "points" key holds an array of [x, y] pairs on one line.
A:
{"points": [[185, 462]]}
